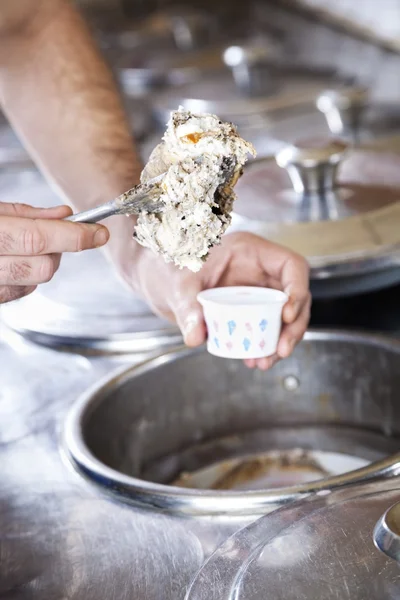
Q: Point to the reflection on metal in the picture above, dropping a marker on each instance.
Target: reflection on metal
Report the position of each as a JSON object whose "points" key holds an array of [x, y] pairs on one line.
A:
{"points": [[59, 537], [337, 207], [286, 88], [312, 166], [387, 533], [275, 469], [321, 547], [291, 383], [344, 109], [138, 432]]}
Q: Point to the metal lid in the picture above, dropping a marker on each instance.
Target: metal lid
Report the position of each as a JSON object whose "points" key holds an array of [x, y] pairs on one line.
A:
{"points": [[335, 205], [248, 87], [350, 113], [168, 49], [85, 307], [321, 547]]}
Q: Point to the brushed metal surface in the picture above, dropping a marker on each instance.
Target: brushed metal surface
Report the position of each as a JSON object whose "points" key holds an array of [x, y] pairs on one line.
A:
{"points": [[319, 548], [60, 538], [136, 432]]}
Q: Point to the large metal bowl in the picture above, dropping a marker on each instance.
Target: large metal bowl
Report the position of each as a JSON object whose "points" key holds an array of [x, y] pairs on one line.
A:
{"points": [[136, 432]]}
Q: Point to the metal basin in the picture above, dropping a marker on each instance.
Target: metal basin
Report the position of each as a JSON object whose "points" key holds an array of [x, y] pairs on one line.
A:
{"points": [[164, 434]]}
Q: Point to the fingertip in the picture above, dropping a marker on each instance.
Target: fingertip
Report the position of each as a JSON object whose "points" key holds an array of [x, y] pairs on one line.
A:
{"points": [[101, 236], [250, 363], [194, 330], [195, 337], [290, 311], [263, 363], [267, 362], [288, 314], [63, 209], [54, 212], [286, 347]]}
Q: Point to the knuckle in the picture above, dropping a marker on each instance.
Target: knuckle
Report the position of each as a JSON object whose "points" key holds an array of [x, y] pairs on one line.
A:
{"points": [[46, 269], [18, 271], [82, 239], [301, 261], [33, 241], [6, 242], [79, 237], [19, 210]]}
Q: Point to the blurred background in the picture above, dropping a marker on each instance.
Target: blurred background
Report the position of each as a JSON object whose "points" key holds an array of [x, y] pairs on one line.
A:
{"points": [[294, 76]]}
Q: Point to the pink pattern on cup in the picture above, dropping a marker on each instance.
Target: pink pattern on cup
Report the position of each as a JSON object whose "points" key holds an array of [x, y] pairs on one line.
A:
{"points": [[229, 345], [216, 326], [248, 327], [262, 344]]}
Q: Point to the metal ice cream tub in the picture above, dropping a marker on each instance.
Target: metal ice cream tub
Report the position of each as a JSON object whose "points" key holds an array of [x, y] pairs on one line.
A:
{"points": [[191, 433]]}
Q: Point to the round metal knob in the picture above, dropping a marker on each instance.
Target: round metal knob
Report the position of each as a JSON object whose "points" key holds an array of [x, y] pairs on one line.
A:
{"points": [[312, 166], [243, 60], [387, 533], [343, 109]]}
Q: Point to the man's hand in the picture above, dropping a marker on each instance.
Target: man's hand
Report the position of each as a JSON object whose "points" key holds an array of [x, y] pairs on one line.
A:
{"points": [[242, 259], [31, 243]]}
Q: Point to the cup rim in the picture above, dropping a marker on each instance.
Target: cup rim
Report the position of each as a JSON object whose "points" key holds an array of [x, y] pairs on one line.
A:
{"points": [[271, 296]]}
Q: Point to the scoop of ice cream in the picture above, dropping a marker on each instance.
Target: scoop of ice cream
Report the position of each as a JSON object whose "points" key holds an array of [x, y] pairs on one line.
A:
{"points": [[203, 158]]}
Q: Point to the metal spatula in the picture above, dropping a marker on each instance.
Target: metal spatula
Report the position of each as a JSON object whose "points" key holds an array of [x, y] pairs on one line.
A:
{"points": [[142, 197]]}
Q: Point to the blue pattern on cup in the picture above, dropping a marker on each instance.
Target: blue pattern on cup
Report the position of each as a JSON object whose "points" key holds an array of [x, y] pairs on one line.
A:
{"points": [[216, 342], [246, 344], [231, 327], [263, 325]]}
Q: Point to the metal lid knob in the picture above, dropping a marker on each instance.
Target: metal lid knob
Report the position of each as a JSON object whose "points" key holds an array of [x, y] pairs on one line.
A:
{"points": [[191, 28], [387, 533], [343, 109], [243, 61], [312, 165]]}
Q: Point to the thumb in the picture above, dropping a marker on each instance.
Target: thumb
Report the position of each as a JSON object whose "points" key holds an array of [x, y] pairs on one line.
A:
{"points": [[189, 314]]}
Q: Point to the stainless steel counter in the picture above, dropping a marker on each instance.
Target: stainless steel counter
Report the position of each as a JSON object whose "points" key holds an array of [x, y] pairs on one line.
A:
{"points": [[59, 537]]}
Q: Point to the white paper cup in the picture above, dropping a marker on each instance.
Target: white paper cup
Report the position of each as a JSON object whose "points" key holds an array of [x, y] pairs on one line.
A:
{"points": [[243, 322]]}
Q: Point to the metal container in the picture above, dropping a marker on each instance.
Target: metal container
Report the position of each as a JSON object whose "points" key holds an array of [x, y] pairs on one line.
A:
{"points": [[336, 206], [257, 91], [161, 51], [63, 538], [189, 419], [353, 113], [322, 547], [60, 537]]}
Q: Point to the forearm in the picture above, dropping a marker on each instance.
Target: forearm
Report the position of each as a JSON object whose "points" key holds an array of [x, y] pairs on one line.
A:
{"points": [[61, 98]]}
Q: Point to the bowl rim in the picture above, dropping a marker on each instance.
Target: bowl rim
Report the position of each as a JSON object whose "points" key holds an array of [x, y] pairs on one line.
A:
{"points": [[192, 502]]}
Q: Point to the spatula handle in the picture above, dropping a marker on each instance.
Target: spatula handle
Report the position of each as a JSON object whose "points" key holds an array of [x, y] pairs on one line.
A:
{"points": [[94, 215]]}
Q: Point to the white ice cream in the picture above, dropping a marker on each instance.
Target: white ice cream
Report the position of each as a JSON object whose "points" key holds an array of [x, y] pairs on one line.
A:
{"points": [[204, 158]]}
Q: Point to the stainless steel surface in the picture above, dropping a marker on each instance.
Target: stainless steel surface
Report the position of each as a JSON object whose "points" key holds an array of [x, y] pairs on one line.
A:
{"points": [[162, 51], [66, 312], [59, 537], [319, 548], [138, 432], [339, 209], [344, 109], [244, 59], [387, 533], [143, 197], [293, 87], [312, 167]]}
